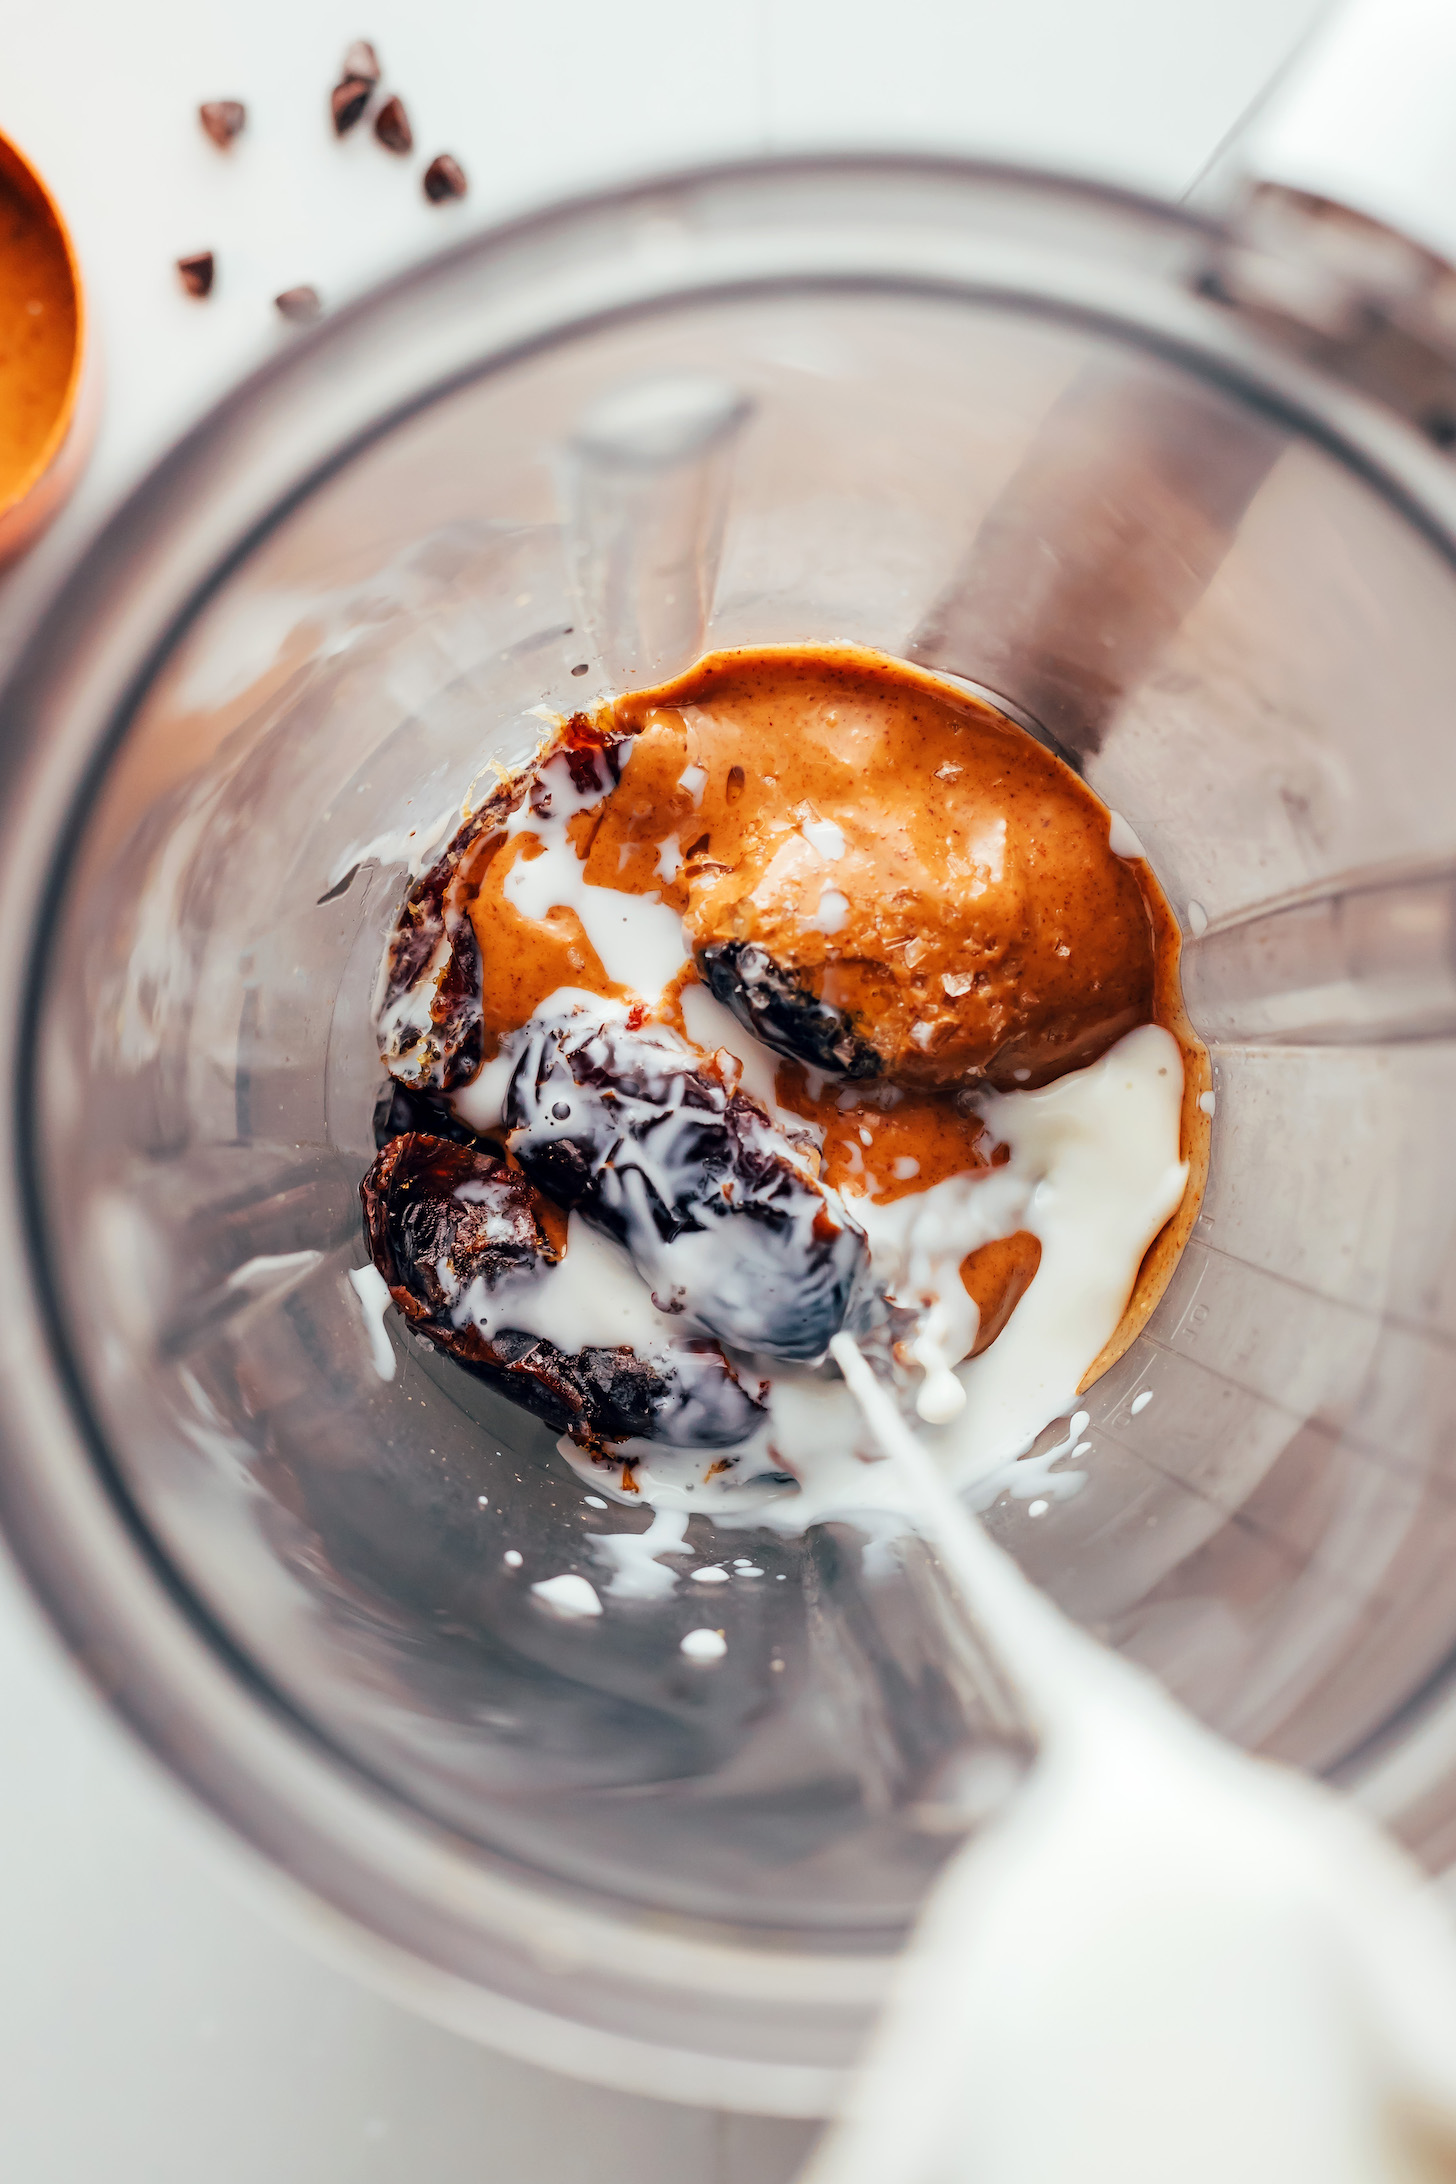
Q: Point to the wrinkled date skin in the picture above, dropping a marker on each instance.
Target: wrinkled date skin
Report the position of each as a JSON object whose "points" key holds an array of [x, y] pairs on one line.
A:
{"points": [[399, 1110], [429, 1011], [692, 1178], [707, 1195], [777, 1006], [430, 1202]]}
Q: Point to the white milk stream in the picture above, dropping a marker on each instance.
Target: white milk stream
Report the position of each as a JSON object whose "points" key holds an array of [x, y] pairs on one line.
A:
{"points": [[1166, 1961]]}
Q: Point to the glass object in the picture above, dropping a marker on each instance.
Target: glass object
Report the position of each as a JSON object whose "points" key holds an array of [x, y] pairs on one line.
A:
{"points": [[975, 418]]}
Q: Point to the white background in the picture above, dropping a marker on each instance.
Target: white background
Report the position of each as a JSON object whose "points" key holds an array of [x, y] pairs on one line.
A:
{"points": [[154, 2027]]}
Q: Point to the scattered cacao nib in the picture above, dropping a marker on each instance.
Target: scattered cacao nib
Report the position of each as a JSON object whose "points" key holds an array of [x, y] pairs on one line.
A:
{"points": [[429, 1023], [444, 177], [703, 1191], [362, 61], [456, 1231], [391, 126], [778, 1008], [197, 272], [347, 102], [223, 119], [298, 304]]}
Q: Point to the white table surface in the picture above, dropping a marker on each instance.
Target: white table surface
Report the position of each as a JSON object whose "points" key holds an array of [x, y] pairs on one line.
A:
{"points": [[155, 2026]]}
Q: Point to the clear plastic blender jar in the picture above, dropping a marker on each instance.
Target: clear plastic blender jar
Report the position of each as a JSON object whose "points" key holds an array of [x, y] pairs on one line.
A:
{"points": [[1009, 427]]}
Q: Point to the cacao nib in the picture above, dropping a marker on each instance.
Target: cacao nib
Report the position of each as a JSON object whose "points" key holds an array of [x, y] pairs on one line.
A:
{"points": [[298, 304], [391, 126], [223, 119], [458, 1232], [347, 102], [705, 1194], [778, 1008], [362, 62], [444, 178], [197, 272]]}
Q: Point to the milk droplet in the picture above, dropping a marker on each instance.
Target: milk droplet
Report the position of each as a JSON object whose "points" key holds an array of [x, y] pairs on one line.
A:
{"points": [[568, 1595], [832, 913], [372, 1290], [1121, 840]]}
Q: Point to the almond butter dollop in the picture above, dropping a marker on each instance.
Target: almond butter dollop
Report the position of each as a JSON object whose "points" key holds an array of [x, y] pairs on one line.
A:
{"points": [[903, 852]]}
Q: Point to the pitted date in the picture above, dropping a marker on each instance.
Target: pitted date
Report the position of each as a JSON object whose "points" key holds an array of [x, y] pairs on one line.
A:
{"points": [[441, 1215], [456, 1231], [778, 1008], [400, 1109], [709, 1198], [428, 1010]]}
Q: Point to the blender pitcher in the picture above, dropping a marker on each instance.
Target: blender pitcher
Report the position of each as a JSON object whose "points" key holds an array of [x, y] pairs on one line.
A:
{"points": [[1174, 488]]}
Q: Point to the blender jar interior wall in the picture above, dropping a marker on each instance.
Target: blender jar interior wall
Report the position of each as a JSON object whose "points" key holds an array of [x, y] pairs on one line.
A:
{"points": [[1270, 1532]]}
